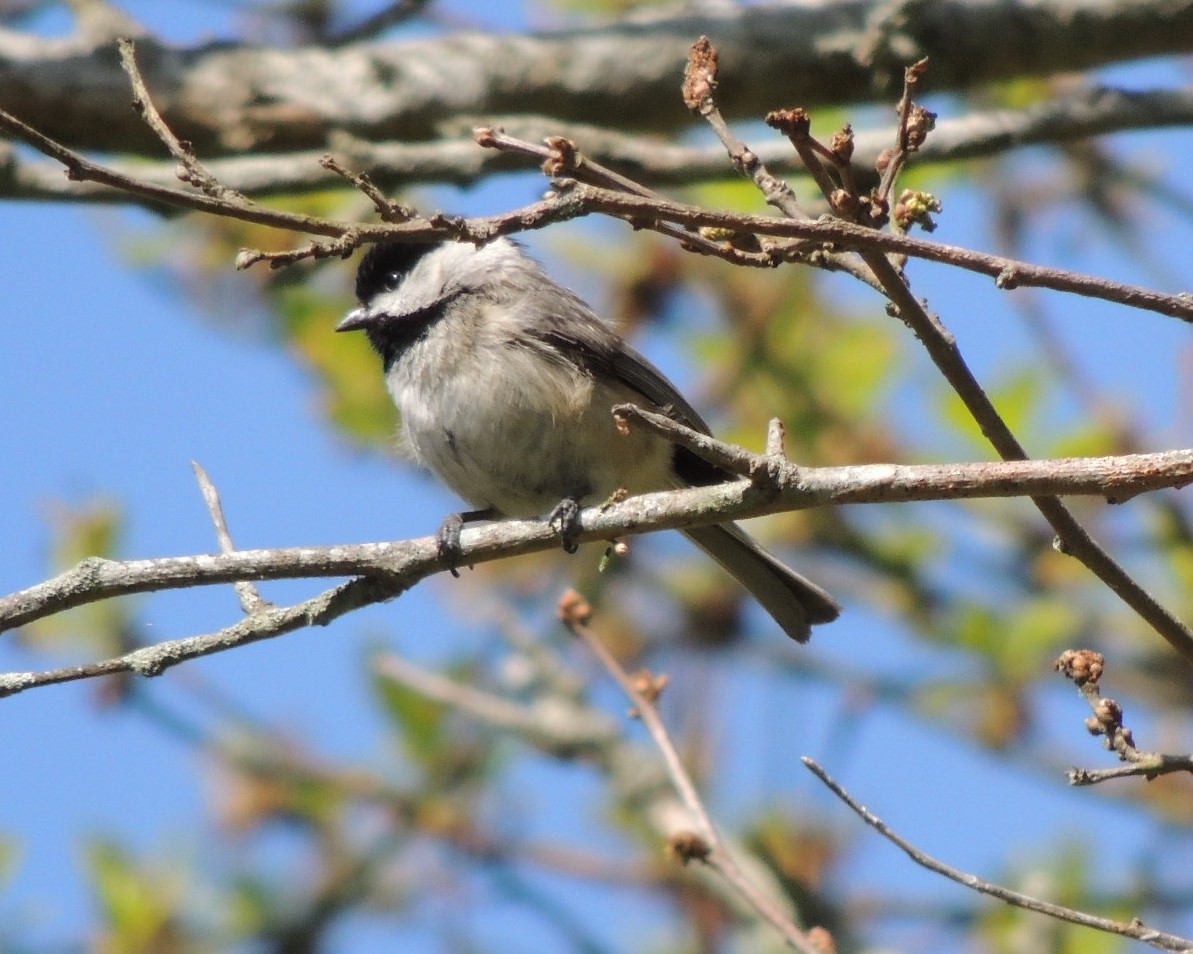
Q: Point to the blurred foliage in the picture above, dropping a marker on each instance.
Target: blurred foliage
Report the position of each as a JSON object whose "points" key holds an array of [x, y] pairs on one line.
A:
{"points": [[1063, 878], [607, 8], [139, 905], [90, 529], [298, 307]]}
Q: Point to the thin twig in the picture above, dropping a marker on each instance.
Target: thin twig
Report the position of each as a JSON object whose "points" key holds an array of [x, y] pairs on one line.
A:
{"points": [[190, 170], [794, 124], [735, 460], [1147, 765], [561, 157], [341, 247], [1085, 668], [914, 123], [700, 83], [1134, 929], [250, 599], [712, 851], [564, 159], [1008, 273], [388, 211]]}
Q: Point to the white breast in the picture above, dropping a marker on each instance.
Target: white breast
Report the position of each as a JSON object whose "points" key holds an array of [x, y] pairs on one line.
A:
{"points": [[516, 429]]}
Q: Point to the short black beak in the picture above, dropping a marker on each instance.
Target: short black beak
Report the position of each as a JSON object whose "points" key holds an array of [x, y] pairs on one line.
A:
{"points": [[356, 320]]}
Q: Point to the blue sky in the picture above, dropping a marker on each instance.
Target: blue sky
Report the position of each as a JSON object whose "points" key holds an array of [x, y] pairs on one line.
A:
{"points": [[113, 385]]}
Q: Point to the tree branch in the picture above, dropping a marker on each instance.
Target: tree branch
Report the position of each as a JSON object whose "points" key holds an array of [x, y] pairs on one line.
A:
{"points": [[389, 569], [453, 157], [1085, 668], [706, 846], [228, 98], [1134, 929], [1008, 273], [577, 199]]}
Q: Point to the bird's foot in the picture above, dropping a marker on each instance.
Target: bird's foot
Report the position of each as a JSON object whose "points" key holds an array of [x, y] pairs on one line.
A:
{"points": [[566, 519], [447, 537]]}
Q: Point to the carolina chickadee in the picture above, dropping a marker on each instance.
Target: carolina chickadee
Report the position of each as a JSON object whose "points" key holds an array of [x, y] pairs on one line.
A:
{"points": [[504, 381]]}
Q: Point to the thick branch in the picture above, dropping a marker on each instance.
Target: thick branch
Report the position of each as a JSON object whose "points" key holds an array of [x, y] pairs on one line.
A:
{"points": [[227, 98]]}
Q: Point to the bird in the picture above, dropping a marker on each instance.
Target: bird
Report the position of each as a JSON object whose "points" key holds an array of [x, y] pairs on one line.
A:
{"points": [[504, 381]]}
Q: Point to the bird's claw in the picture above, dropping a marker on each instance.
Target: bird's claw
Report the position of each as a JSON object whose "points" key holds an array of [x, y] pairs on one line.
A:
{"points": [[447, 542], [447, 537], [566, 519]]}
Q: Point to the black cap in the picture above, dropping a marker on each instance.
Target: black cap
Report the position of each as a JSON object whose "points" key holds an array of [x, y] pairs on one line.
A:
{"points": [[384, 265]]}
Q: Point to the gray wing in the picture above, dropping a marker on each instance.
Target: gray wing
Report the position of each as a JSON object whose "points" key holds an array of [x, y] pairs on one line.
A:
{"points": [[576, 334]]}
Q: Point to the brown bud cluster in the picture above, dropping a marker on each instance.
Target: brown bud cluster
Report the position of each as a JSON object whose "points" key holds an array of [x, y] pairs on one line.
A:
{"points": [[916, 208], [574, 609], [687, 846], [1081, 665], [919, 123], [792, 123], [563, 158], [700, 75], [842, 144], [1108, 713], [648, 685]]}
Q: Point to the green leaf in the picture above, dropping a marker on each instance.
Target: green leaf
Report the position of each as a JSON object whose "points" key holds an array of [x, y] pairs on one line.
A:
{"points": [[419, 721], [138, 906], [1017, 399], [9, 858]]}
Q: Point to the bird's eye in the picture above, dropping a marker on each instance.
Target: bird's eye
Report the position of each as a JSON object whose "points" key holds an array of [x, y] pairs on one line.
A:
{"points": [[392, 280]]}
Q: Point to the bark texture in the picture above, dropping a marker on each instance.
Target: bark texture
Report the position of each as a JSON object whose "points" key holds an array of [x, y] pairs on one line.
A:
{"points": [[232, 98]]}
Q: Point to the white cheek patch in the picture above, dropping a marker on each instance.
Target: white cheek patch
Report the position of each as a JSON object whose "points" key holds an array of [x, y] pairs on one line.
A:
{"points": [[435, 278]]}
